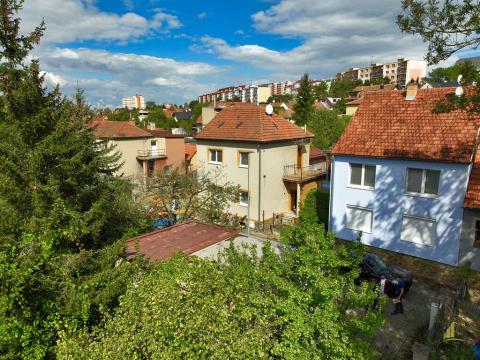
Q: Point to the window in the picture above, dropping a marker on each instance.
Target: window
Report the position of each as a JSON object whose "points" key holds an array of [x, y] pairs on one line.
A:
{"points": [[423, 181], [362, 175], [243, 159], [359, 218], [244, 198], [215, 156], [476, 240], [418, 230], [153, 143]]}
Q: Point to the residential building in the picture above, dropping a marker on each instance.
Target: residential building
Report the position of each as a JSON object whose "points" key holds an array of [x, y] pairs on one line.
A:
{"points": [[267, 156], [143, 152], [134, 102], [408, 70], [190, 156], [402, 177], [475, 60], [182, 115]]}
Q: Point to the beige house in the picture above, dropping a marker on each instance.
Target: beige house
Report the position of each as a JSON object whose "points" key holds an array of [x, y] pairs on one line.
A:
{"points": [[143, 152], [267, 156]]}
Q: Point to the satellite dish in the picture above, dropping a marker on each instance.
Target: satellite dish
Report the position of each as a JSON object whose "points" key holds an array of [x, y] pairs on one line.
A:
{"points": [[459, 79], [459, 91], [269, 109]]}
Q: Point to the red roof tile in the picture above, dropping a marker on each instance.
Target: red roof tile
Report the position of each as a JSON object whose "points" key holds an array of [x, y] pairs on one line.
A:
{"points": [[316, 153], [118, 129], [388, 126], [199, 120], [190, 151], [472, 197], [163, 133], [187, 237], [249, 122]]}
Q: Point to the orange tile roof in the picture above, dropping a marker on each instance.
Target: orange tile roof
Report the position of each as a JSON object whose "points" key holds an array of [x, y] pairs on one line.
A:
{"points": [[168, 112], [118, 129], [388, 126], [472, 196], [249, 122], [164, 133], [190, 151], [316, 153], [199, 120]]}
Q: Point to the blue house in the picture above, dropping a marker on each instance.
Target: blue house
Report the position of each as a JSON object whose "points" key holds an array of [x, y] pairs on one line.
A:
{"points": [[407, 178]]}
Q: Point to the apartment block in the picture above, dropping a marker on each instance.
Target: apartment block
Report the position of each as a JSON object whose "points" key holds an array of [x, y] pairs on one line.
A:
{"points": [[134, 102]]}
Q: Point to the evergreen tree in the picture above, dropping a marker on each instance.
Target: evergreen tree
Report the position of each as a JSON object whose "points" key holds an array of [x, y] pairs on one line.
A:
{"points": [[58, 193], [303, 108]]}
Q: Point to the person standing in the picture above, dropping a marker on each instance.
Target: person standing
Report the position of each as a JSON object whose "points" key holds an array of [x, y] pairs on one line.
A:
{"points": [[382, 290], [399, 293]]}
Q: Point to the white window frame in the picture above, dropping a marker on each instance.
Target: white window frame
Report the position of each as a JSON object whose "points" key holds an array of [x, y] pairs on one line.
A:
{"points": [[364, 209], [210, 161], [422, 219], [424, 178], [362, 186], [240, 159], [248, 198]]}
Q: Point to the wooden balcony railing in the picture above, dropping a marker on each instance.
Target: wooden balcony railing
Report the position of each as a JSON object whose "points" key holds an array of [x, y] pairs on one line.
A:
{"points": [[152, 154], [295, 173]]}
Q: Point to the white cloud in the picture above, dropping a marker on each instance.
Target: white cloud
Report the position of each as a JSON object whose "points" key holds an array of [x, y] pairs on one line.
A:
{"points": [[107, 77], [202, 15], [77, 20], [333, 36]]}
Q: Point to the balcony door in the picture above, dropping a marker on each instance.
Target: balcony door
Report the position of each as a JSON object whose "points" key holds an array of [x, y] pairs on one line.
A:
{"points": [[154, 149]]}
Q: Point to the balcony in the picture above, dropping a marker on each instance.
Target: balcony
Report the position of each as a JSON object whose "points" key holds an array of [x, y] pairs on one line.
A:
{"points": [[293, 173], [151, 154]]}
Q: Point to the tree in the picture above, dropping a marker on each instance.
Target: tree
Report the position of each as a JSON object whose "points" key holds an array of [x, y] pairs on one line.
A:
{"points": [[303, 304], [327, 127], [280, 98], [181, 195], [450, 74], [58, 194], [321, 90], [314, 209], [162, 121], [303, 107], [342, 88], [447, 26]]}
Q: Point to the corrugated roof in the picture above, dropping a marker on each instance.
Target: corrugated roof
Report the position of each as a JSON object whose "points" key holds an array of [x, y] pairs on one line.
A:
{"points": [[187, 237], [249, 122], [388, 126], [118, 129]]}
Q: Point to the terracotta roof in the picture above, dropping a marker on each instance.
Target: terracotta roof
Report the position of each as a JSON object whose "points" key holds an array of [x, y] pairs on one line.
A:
{"points": [[388, 126], [118, 129], [472, 196], [168, 112], [249, 122], [163, 133], [187, 237], [316, 153], [199, 120], [377, 87], [190, 151], [354, 102]]}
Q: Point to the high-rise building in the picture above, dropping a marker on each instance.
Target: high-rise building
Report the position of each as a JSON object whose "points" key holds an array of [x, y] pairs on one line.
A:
{"points": [[134, 102]]}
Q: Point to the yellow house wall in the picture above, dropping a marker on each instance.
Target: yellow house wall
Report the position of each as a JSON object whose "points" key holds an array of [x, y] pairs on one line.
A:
{"points": [[263, 93], [274, 197], [128, 149], [351, 109]]}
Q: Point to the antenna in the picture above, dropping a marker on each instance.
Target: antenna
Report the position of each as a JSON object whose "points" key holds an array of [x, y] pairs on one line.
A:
{"points": [[269, 109]]}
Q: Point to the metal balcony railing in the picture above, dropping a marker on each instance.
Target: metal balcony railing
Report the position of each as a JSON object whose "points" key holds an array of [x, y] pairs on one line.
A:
{"points": [[295, 173], [156, 153]]}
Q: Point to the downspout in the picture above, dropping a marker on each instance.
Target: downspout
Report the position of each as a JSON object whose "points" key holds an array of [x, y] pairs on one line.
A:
{"points": [[259, 150], [332, 176]]}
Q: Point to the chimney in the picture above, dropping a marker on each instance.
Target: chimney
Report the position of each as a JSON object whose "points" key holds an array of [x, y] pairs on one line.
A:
{"points": [[412, 89], [151, 125]]}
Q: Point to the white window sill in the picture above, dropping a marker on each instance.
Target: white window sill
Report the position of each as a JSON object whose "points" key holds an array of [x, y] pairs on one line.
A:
{"points": [[362, 231], [215, 163], [416, 243], [428, 196], [243, 166], [359, 187], [244, 205]]}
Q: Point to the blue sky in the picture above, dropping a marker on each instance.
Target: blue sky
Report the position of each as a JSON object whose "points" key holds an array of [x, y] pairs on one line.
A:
{"points": [[172, 50]]}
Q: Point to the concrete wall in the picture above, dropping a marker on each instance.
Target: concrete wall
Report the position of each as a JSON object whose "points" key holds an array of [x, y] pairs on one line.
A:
{"points": [[128, 149], [390, 202], [469, 255], [274, 196]]}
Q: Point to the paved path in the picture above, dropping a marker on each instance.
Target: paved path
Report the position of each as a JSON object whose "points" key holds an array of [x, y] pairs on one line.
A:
{"points": [[396, 337]]}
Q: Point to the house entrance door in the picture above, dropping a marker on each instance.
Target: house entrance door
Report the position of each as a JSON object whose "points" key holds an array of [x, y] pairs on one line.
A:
{"points": [[293, 200]]}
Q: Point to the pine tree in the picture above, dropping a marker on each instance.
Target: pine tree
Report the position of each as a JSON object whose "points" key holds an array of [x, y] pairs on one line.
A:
{"points": [[303, 108], [58, 194]]}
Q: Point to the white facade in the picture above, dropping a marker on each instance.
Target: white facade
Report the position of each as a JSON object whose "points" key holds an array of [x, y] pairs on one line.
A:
{"points": [[134, 102]]}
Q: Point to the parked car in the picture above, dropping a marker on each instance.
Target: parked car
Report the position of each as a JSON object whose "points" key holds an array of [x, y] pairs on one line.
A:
{"points": [[373, 266]]}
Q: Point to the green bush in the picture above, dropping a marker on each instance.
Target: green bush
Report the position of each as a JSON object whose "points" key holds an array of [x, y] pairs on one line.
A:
{"points": [[314, 209]]}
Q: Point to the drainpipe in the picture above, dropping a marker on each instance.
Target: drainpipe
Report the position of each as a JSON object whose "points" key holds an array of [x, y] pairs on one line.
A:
{"points": [[259, 150], [332, 162]]}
